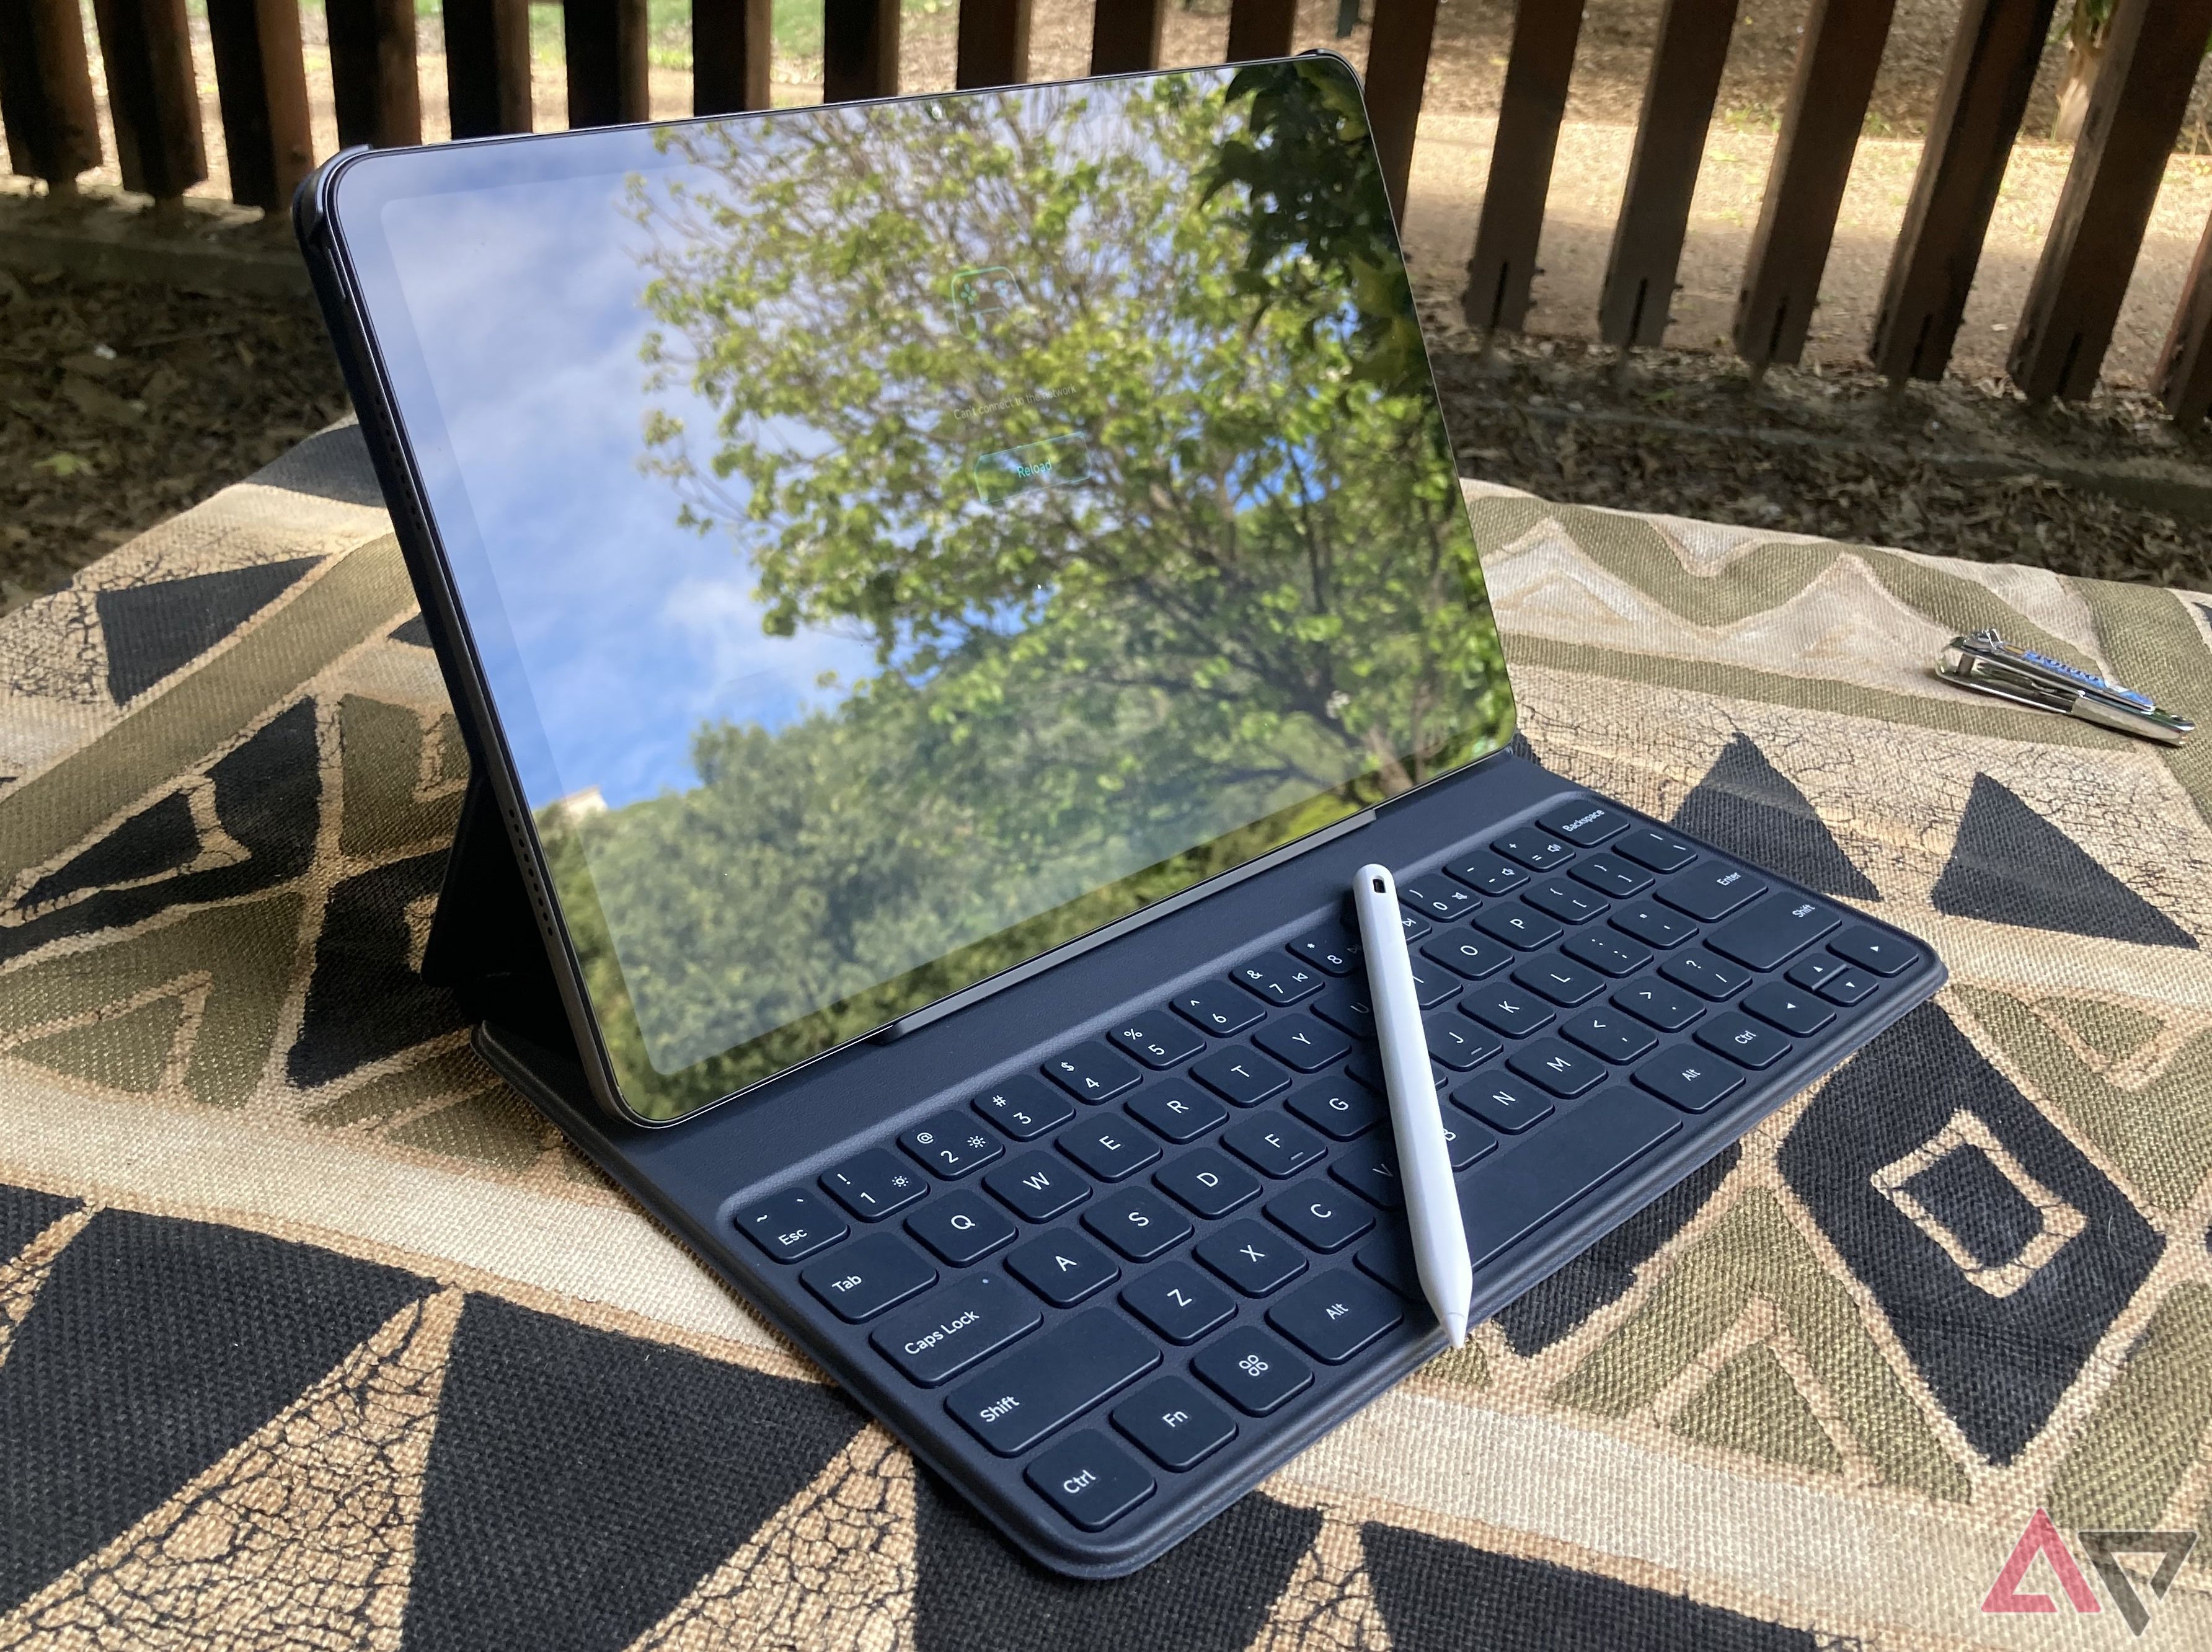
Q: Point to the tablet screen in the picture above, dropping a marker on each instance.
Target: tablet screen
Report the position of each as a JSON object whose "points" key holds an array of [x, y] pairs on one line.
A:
{"points": [[901, 539]]}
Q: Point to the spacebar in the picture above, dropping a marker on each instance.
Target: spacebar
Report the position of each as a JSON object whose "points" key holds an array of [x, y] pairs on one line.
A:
{"points": [[1513, 1192]]}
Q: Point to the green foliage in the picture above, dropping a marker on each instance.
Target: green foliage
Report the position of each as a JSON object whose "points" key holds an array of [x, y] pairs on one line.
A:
{"points": [[1262, 603]]}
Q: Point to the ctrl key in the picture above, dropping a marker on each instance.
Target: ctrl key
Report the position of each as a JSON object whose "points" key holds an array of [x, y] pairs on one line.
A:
{"points": [[1091, 1480]]}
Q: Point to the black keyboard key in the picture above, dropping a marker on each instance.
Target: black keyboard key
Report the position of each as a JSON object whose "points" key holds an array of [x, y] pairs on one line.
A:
{"points": [[1611, 876], [1603, 950], [1093, 1072], [1138, 1222], [1811, 972], [1208, 1183], [1656, 850], [1254, 1259], [952, 1144], [1037, 1185], [1179, 1301], [1743, 1041], [790, 1225], [1214, 1007], [1091, 1480], [1277, 979], [1560, 980], [948, 1331], [1411, 925], [875, 1271], [1052, 1380], [1522, 928], [1320, 1215], [1175, 1110], [1063, 1267], [1565, 903], [1711, 891], [1157, 1039], [1465, 953], [1706, 974], [1551, 1168], [1778, 928], [1848, 986], [1793, 1010], [1585, 822], [1538, 850], [1433, 987], [1662, 1003], [873, 1184], [962, 1227], [1371, 1171], [1456, 1043], [1339, 1109], [1507, 1010], [1689, 1078], [1388, 1258], [1331, 953], [1608, 1033], [1272, 1144], [1025, 1106], [1486, 872], [1178, 1426], [1109, 1148], [1505, 1102], [1653, 925], [1301, 1042], [1336, 1316], [1465, 1143], [1870, 949], [1437, 898], [1345, 1006], [1562, 1070], [1241, 1075], [1253, 1371]]}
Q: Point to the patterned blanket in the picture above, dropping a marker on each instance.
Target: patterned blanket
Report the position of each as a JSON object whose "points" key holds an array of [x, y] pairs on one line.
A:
{"points": [[312, 1334]]}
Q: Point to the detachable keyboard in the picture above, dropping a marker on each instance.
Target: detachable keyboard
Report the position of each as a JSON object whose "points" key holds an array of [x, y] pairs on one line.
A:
{"points": [[1113, 1286]]}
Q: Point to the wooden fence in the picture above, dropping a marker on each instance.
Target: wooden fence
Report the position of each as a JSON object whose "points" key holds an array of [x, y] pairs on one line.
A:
{"points": [[2136, 108]]}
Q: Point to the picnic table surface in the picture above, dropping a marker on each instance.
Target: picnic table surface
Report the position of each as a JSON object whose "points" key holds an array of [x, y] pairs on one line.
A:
{"points": [[312, 1332]]}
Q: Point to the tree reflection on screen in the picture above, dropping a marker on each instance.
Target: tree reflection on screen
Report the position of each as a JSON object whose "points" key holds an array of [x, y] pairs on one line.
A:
{"points": [[1101, 413]]}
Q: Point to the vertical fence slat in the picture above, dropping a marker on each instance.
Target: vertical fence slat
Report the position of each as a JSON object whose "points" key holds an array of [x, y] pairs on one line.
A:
{"points": [[488, 66], [1126, 35], [732, 49], [372, 79], [2185, 376], [146, 47], [1502, 266], [1662, 172], [1260, 29], [2152, 52], [1397, 74], [1828, 99], [46, 91], [1978, 112], [860, 49], [993, 47], [608, 74], [261, 86]]}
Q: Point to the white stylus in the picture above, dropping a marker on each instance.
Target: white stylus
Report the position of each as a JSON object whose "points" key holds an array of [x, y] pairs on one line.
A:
{"points": [[1424, 1161]]}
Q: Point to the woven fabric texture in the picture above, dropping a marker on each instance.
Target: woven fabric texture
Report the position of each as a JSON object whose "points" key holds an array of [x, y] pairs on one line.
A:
{"points": [[312, 1333]]}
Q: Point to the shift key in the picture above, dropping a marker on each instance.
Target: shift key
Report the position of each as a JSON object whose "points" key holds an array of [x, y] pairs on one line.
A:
{"points": [[1037, 1389]]}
